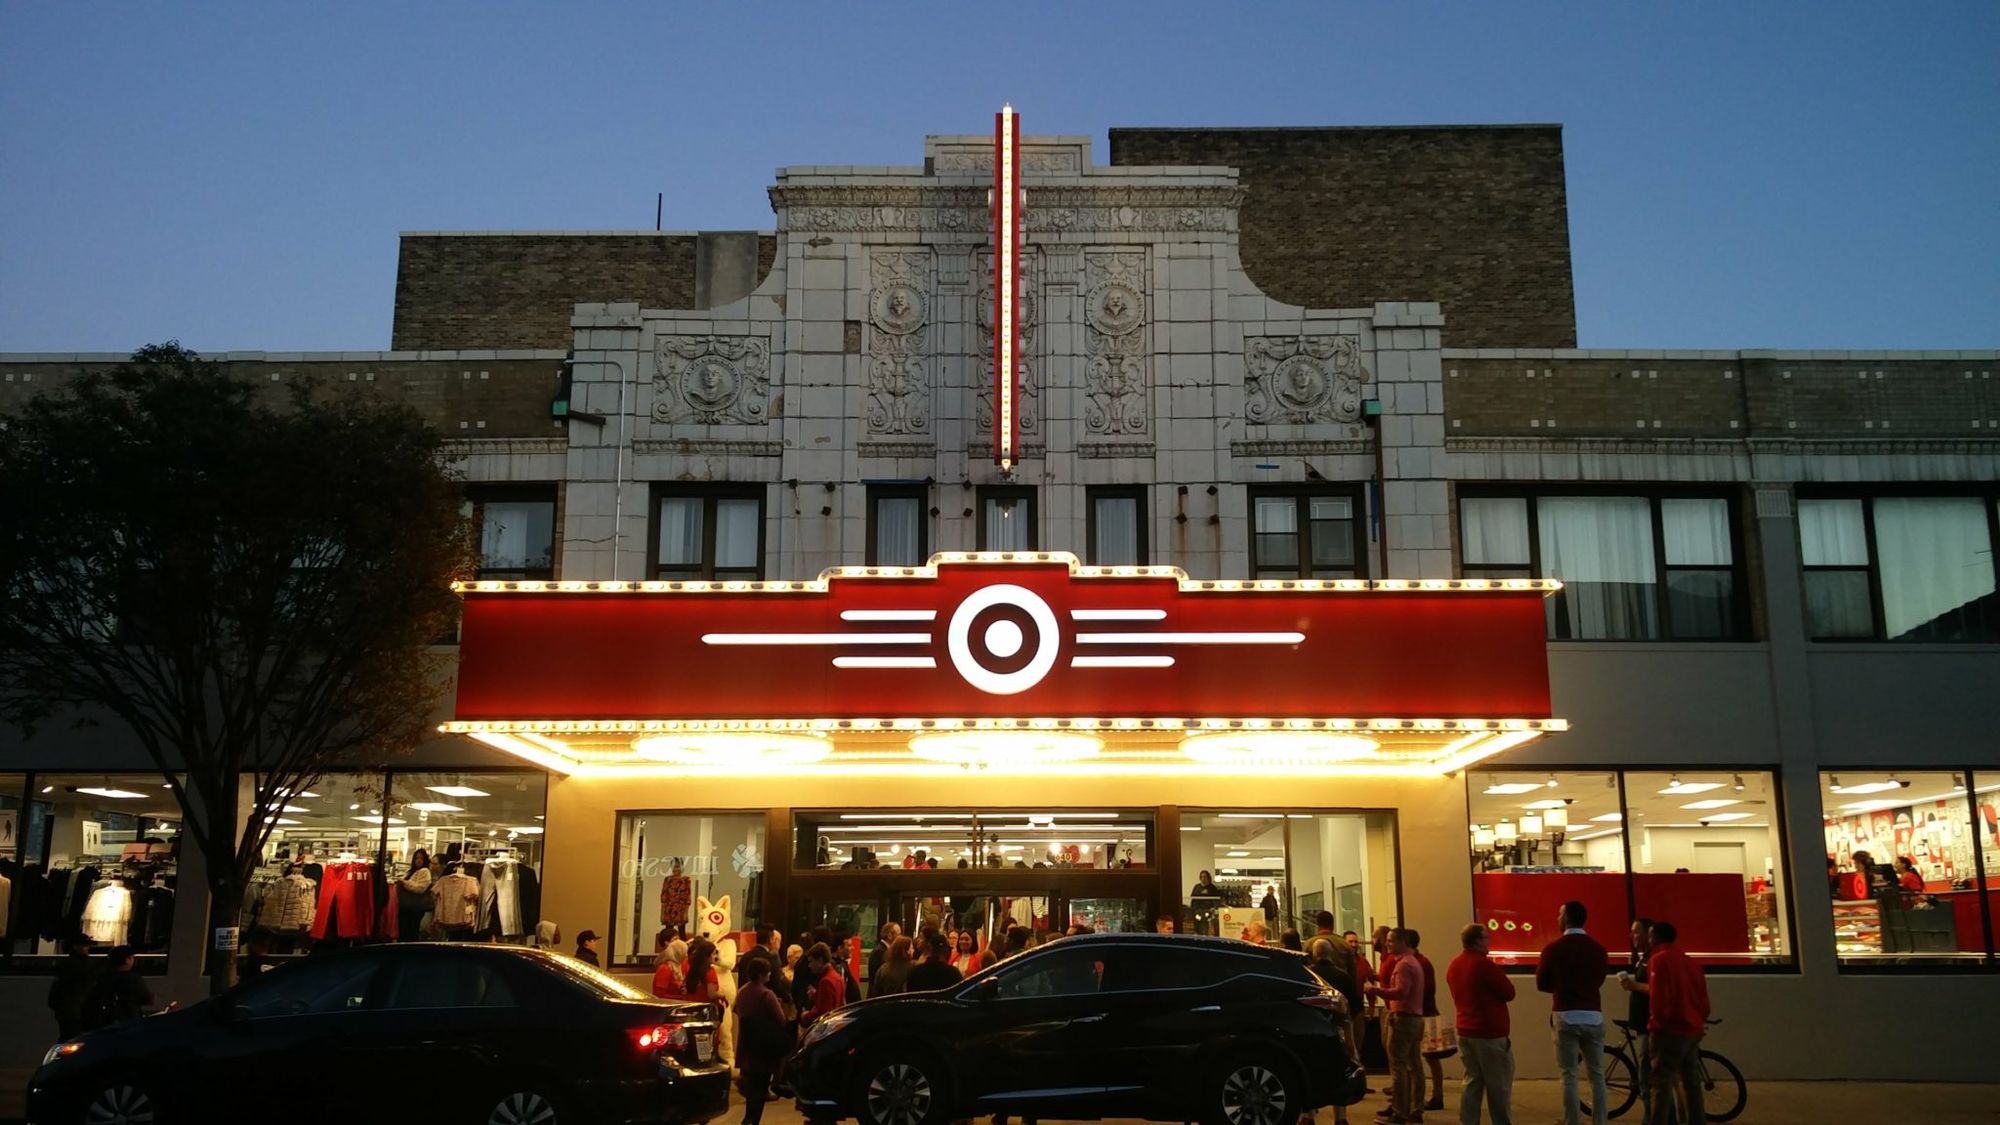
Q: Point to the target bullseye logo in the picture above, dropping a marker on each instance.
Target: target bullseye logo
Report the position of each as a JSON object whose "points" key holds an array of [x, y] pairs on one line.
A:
{"points": [[1003, 639]]}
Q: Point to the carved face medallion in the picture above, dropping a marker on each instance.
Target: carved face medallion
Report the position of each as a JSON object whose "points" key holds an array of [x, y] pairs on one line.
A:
{"points": [[1115, 309], [899, 308], [1299, 385], [709, 384]]}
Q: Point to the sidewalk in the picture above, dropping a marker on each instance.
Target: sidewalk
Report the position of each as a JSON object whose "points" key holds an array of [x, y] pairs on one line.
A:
{"points": [[1540, 1103]]}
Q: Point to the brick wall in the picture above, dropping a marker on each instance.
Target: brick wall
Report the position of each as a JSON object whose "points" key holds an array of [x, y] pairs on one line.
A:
{"points": [[1473, 217], [1502, 393], [516, 290], [462, 397]]}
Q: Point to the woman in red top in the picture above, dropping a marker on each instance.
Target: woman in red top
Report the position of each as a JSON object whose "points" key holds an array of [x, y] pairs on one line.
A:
{"points": [[827, 991], [1907, 877], [701, 981], [967, 958], [669, 982]]}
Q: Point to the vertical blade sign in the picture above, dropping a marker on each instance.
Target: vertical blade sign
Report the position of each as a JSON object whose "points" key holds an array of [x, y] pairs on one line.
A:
{"points": [[1006, 284]]}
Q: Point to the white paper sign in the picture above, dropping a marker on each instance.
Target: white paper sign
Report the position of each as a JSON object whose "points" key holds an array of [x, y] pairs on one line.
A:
{"points": [[10, 830], [226, 938], [93, 837]]}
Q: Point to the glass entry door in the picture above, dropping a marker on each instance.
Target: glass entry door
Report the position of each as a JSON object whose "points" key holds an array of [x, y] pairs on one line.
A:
{"points": [[988, 912]]}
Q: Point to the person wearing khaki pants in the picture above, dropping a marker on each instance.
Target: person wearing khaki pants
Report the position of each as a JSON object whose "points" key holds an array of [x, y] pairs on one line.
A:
{"points": [[1405, 993], [1481, 992]]}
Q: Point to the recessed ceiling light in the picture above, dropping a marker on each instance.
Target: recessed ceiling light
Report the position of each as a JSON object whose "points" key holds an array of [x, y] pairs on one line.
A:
{"points": [[433, 806], [529, 831], [1513, 788], [308, 793], [1729, 816], [458, 791], [1239, 854], [378, 820], [1871, 787], [1680, 787], [1711, 803], [1548, 804], [1190, 827], [113, 794], [1610, 817]]}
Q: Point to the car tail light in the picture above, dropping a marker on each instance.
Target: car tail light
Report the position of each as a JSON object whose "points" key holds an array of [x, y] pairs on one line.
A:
{"points": [[1329, 1002], [659, 1037]]}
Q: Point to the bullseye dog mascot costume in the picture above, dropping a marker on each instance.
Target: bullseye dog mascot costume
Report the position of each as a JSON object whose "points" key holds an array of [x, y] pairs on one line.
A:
{"points": [[712, 922]]}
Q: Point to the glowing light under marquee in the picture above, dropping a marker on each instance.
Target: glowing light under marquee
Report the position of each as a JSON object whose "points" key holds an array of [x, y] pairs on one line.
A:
{"points": [[1006, 284]]}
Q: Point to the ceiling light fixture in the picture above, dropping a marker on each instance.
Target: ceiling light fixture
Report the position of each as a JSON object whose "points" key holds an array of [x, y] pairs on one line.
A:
{"points": [[1677, 787], [457, 791], [1005, 749], [1552, 781], [1511, 788], [1739, 783], [735, 749], [432, 806], [112, 794], [1276, 749], [1712, 803]]}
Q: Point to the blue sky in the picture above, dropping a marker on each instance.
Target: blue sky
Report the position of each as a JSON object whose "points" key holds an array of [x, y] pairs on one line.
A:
{"points": [[1820, 174]]}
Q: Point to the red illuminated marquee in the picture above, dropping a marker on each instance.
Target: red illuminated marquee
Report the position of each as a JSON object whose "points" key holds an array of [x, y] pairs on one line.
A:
{"points": [[1002, 635], [1007, 202]]}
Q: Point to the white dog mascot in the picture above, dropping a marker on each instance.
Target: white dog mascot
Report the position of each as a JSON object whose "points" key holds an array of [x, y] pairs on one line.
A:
{"points": [[712, 921]]}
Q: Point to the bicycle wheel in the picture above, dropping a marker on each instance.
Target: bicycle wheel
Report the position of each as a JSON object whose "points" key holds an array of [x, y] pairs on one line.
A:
{"points": [[1723, 1092], [1621, 1083]]}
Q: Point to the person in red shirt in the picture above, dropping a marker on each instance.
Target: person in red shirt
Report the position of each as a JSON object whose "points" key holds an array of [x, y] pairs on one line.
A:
{"points": [[1907, 877], [1481, 992], [828, 993], [1436, 1100], [1405, 995], [1572, 970], [669, 977], [1677, 1019]]}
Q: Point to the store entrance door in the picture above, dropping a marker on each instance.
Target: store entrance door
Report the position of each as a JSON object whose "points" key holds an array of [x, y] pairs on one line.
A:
{"points": [[976, 905]]}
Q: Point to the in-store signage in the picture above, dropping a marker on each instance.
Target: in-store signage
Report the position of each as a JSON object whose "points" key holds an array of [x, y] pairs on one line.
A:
{"points": [[1001, 635]]}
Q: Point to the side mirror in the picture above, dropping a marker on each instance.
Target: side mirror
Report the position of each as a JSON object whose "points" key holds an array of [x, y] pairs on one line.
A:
{"points": [[986, 989]]}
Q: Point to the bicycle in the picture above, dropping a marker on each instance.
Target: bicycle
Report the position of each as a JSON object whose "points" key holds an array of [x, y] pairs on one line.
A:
{"points": [[1724, 1093]]}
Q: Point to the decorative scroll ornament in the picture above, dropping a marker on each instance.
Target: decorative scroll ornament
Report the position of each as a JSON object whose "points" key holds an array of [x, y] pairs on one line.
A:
{"points": [[711, 379], [898, 344], [1115, 376], [1303, 379], [1027, 365]]}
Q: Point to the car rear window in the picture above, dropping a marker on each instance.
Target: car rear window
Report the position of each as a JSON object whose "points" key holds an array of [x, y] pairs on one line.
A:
{"points": [[591, 979]]}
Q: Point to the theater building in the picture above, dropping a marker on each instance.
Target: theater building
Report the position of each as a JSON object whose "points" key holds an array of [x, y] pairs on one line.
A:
{"points": [[1017, 538]]}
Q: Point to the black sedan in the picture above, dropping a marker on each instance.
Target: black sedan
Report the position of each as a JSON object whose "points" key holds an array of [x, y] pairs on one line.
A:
{"points": [[1161, 1027], [478, 1034]]}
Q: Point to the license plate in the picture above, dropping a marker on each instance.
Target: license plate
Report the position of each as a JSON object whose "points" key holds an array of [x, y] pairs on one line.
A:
{"points": [[704, 1046]]}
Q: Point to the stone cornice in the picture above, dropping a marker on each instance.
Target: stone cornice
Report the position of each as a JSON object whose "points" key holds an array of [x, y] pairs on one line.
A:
{"points": [[1728, 446], [1078, 207], [710, 447]]}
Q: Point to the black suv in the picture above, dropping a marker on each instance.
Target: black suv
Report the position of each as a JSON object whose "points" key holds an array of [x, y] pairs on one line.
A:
{"points": [[441, 1034], [1155, 1026]]}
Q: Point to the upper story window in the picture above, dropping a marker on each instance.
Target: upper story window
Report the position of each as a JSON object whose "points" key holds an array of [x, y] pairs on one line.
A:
{"points": [[517, 525], [1117, 525], [1007, 518], [1912, 568], [898, 527], [1634, 568], [1310, 532], [708, 531]]}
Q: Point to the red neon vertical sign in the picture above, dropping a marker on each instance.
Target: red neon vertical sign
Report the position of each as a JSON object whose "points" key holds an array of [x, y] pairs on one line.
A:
{"points": [[1006, 284]]}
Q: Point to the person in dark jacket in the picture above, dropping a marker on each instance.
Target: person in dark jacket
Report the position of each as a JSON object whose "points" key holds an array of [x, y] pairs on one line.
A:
{"points": [[763, 1038], [936, 971], [586, 947], [71, 987], [119, 994]]}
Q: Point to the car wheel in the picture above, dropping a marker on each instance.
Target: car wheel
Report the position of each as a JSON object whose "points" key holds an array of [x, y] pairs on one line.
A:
{"points": [[122, 1101], [900, 1089], [1252, 1090], [526, 1107]]}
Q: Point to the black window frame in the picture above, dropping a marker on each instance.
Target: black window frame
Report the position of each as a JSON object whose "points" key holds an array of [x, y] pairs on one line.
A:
{"points": [[1137, 493], [709, 494], [915, 490], [991, 492], [1302, 496], [1878, 620], [1742, 628], [480, 495]]}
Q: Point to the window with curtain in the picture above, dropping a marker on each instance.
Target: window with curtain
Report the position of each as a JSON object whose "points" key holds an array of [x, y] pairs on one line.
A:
{"points": [[708, 533], [897, 525], [1007, 519], [1633, 568], [1117, 526], [1305, 533], [516, 531], [1916, 568]]}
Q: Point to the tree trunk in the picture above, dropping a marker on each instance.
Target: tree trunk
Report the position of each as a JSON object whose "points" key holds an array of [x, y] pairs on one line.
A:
{"points": [[225, 907]]}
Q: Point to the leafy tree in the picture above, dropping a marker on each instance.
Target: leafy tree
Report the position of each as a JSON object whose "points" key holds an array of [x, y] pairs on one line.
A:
{"points": [[249, 580]]}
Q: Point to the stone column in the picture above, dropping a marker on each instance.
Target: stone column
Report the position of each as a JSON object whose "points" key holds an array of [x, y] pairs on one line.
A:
{"points": [[604, 510], [1409, 383]]}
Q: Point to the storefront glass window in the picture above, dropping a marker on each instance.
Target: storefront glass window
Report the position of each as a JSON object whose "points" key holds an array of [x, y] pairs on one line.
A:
{"points": [[674, 866], [1541, 839], [1903, 855], [1283, 868], [334, 823], [1707, 855], [948, 839], [487, 826], [112, 849]]}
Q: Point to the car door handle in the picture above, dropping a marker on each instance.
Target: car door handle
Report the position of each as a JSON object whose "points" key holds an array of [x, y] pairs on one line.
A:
{"points": [[1099, 1018], [1207, 1008]]}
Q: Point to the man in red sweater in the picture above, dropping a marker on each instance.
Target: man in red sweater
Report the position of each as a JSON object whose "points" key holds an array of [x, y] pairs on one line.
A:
{"points": [[1677, 1019], [1404, 991], [1572, 970], [1481, 992]]}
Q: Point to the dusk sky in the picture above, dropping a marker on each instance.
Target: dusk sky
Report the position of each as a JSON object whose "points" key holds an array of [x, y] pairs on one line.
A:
{"points": [[1748, 175]]}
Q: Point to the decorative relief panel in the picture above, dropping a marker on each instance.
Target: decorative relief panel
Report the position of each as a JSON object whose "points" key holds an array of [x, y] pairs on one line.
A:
{"points": [[1302, 379], [710, 379], [1116, 386], [899, 377], [863, 209], [1028, 359]]}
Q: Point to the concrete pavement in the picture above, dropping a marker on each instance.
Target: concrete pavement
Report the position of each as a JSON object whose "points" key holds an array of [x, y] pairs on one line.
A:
{"points": [[1540, 1103]]}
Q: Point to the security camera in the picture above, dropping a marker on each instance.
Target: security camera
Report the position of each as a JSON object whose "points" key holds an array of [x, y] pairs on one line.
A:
{"points": [[1903, 782]]}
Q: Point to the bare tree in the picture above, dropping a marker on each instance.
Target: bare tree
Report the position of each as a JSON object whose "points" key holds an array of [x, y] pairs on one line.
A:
{"points": [[249, 581]]}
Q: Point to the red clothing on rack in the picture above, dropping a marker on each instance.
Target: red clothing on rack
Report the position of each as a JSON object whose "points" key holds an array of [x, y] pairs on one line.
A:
{"points": [[346, 900]]}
